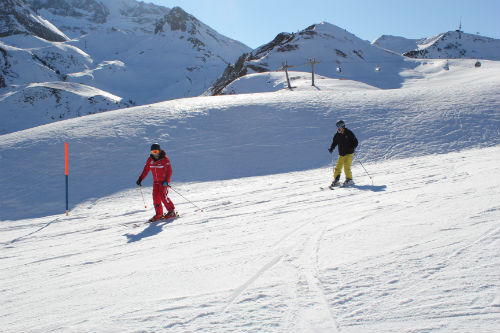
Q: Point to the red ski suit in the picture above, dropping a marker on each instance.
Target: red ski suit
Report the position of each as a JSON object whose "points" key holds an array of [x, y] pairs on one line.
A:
{"points": [[162, 172]]}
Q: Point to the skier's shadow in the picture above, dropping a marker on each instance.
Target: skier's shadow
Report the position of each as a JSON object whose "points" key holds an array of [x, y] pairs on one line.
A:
{"points": [[373, 188], [151, 230]]}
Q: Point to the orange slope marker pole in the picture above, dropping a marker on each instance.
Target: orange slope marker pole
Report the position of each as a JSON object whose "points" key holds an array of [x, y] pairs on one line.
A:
{"points": [[67, 176]]}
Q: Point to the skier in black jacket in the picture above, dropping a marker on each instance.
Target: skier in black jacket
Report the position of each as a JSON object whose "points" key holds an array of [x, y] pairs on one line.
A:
{"points": [[347, 142]]}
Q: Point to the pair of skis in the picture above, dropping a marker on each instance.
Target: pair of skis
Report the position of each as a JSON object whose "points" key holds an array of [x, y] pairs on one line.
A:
{"points": [[332, 187]]}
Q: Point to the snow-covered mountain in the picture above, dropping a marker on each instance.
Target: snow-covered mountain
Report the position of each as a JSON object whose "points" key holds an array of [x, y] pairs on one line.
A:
{"points": [[139, 53], [449, 45], [166, 53], [340, 55]]}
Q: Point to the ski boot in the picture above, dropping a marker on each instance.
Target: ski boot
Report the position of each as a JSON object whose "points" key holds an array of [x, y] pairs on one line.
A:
{"points": [[156, 218], [348, 182], [336, 182], [170, 214]]}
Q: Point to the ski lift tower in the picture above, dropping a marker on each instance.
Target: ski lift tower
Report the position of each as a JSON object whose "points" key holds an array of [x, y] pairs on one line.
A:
{"points": [[460, 28], [312, 62], [285, 68]]}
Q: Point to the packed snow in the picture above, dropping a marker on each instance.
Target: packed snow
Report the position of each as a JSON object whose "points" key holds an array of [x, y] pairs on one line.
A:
{"points": [[413, 246], [416, 251]]}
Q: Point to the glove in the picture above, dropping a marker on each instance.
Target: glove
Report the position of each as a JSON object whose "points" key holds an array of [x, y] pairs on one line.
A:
{"points": [[165, 183], [138, 182], [330, 150]]}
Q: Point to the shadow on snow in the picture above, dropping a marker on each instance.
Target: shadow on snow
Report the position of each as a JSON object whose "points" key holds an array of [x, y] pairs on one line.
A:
{"points": [[152, 230], [373, 188]]}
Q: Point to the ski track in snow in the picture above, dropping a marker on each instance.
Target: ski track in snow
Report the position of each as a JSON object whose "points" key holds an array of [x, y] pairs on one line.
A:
{"points": [[271, 254]]}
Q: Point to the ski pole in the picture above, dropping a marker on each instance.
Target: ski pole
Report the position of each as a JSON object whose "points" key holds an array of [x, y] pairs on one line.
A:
{"points": [[140, 189], [333, 164], [366, 172], [192, 203]]}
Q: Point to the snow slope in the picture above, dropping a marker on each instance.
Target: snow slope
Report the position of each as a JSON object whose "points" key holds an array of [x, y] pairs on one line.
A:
{"points": [[300, 81], [54, 101], [435, 71], [226, 137], [417, 251]]}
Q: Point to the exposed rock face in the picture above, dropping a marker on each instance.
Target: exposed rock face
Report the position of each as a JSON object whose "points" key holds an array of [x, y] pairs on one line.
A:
{"points": [[178, 19], [17, 18], [4, 65], [93, 10], [240, 68]]}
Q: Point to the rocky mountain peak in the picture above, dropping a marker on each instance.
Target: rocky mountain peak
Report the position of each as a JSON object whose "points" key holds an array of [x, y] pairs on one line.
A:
{"points": [[92, 10], [178, 19]]}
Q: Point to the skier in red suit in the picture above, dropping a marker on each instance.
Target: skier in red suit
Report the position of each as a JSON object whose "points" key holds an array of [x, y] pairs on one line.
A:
{"points": [[160, 167]]}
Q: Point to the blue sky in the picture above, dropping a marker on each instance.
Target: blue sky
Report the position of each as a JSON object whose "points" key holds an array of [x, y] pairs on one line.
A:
{"points": [[256, 22]]}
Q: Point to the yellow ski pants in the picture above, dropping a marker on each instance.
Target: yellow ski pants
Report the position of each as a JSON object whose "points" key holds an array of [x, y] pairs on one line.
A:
{"points": [[344, 162]]}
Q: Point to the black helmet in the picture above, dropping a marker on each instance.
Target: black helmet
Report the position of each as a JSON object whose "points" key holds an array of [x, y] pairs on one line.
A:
{"points": [[340, 124], [155, 146]]}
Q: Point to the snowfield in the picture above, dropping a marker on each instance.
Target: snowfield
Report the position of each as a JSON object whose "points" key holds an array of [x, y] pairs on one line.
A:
{"points": [[412, 247], [415, 252]]}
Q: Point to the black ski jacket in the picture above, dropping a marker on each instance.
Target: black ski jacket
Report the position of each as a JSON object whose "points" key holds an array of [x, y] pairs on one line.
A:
{"points": [[347, 142]]}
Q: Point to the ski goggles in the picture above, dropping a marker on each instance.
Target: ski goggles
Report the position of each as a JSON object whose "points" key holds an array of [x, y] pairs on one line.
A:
{"points": [[156, 151]]}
